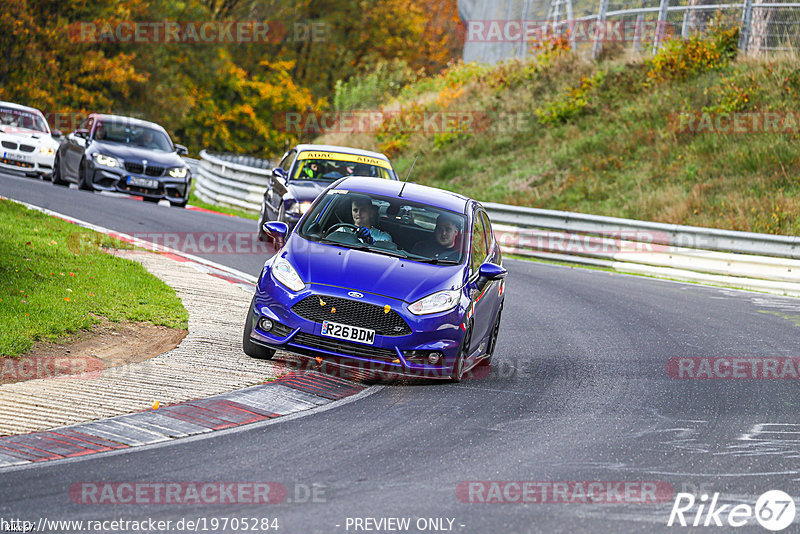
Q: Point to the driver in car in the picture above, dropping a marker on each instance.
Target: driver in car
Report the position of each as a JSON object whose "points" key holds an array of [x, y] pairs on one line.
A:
{"points": [[363, 214], [443, 244]]}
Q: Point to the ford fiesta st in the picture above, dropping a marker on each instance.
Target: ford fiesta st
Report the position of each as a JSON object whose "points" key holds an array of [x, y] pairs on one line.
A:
{"points": [[305, 170], [385, 276], [126, 155], [26, 142]]}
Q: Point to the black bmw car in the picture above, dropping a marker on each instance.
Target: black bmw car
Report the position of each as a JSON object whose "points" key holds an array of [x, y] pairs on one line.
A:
{"points": [[126, 155]]}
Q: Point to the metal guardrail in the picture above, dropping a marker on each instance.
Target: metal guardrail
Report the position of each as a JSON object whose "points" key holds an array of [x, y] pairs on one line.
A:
{"points": [[761, 262], [232, 180]]}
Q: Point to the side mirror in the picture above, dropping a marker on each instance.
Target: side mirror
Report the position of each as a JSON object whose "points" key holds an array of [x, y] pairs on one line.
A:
{"points": [[277, 172], [491, 271], [56, 134], [276, 229], [181, 150]]}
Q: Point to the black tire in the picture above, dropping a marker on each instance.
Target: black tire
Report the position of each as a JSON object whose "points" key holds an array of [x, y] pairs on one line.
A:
{"points": [[493, 339], [83, 184], [458, 366], [181, 204], [262, 235], [56, 176], [252, 349]]}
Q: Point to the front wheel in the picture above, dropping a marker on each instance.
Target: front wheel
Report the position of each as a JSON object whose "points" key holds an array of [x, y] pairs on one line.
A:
{"points": [[493, 339], [83, 182], [458, 366], [181, 204], [56, 176], [252, 349]]}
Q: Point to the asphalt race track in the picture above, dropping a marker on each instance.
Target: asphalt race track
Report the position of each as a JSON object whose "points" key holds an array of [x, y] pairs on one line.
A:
{"points": [[579, 392]]}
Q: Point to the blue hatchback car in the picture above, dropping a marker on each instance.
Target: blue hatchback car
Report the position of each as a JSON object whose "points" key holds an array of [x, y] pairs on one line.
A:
{"points": [[384, 276]]}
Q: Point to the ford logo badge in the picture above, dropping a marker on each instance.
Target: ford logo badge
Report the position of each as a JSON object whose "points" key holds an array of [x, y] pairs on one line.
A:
{"points": [[355, 294]]}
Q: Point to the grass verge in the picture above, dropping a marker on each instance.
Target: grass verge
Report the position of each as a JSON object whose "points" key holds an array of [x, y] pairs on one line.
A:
{"points": [[56, 279]]}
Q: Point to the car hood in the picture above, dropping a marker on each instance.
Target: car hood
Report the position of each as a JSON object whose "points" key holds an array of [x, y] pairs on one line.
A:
{"points": [[31, 137], [132, 153], [305, 190], [369, 272]]}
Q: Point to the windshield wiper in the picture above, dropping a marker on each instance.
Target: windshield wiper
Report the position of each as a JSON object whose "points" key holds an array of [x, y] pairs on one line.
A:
{"points": [[436, 261]]}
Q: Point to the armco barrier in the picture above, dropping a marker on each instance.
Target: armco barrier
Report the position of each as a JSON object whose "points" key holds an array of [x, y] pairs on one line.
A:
{"points": [[760, 262], [233, 181]]}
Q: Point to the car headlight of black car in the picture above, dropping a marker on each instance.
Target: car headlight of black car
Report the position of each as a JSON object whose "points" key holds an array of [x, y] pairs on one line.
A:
{"points": [[178, 172], [106, 161], [299, 208]]}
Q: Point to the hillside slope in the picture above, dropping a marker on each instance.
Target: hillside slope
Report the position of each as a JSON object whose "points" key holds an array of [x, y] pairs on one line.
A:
{"points": [[692, 136]]}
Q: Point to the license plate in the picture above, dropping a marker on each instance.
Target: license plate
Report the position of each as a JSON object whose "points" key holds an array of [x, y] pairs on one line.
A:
{"points": [[142, 182], [17, 157], [350, 333]]}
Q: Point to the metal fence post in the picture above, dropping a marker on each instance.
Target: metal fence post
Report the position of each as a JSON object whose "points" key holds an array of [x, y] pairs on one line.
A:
{"points": [[662, 21], [747, 21], [600, 30], [637, 33], [685, 26], [570, 25]]}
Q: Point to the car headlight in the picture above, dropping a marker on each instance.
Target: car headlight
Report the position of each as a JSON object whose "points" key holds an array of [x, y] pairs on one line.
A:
{"points": [[299, 207], [47, 151], [438, 302], [178, 172], [107, 161], [284, 273]]}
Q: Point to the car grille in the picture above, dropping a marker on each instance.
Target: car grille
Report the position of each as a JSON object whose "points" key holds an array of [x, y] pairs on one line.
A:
{"points": [[353, 313], [154, 171], [9, 144], [344, 347], [135, 168], [27, 148]]}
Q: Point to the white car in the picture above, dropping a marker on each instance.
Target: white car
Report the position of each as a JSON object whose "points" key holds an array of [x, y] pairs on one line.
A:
{"points": [[26, 142]]}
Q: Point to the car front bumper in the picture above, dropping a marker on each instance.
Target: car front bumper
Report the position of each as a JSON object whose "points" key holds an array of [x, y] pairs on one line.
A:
{"points": [[404, 355], [116, 179]]}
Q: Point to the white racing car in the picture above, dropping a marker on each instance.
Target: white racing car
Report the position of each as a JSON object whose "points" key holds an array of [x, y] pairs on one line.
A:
{"points": [[26, 142]]}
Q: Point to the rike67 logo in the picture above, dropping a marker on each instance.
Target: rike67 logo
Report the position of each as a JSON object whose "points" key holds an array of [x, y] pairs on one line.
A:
{"points": [[774, 510]]}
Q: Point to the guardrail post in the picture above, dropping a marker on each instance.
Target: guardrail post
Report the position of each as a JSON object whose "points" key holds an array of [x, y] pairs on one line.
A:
{"points": [[660, 25], [600, 31], [747, 21]]}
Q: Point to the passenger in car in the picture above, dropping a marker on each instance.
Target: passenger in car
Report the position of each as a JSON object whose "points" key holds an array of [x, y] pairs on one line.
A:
{"points": [[444, 241]]}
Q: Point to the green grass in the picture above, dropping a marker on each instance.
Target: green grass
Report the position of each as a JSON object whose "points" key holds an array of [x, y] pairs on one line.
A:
{"points": [[619, 155], [55, 279], [194, 200]]}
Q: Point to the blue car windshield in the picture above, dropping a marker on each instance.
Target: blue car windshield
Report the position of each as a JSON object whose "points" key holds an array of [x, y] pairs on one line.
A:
{"points": [[387, 225]]}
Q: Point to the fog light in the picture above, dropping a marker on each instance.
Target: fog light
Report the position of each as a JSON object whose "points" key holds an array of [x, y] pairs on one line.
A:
{"points": [[265, 324], [434, 357]]}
